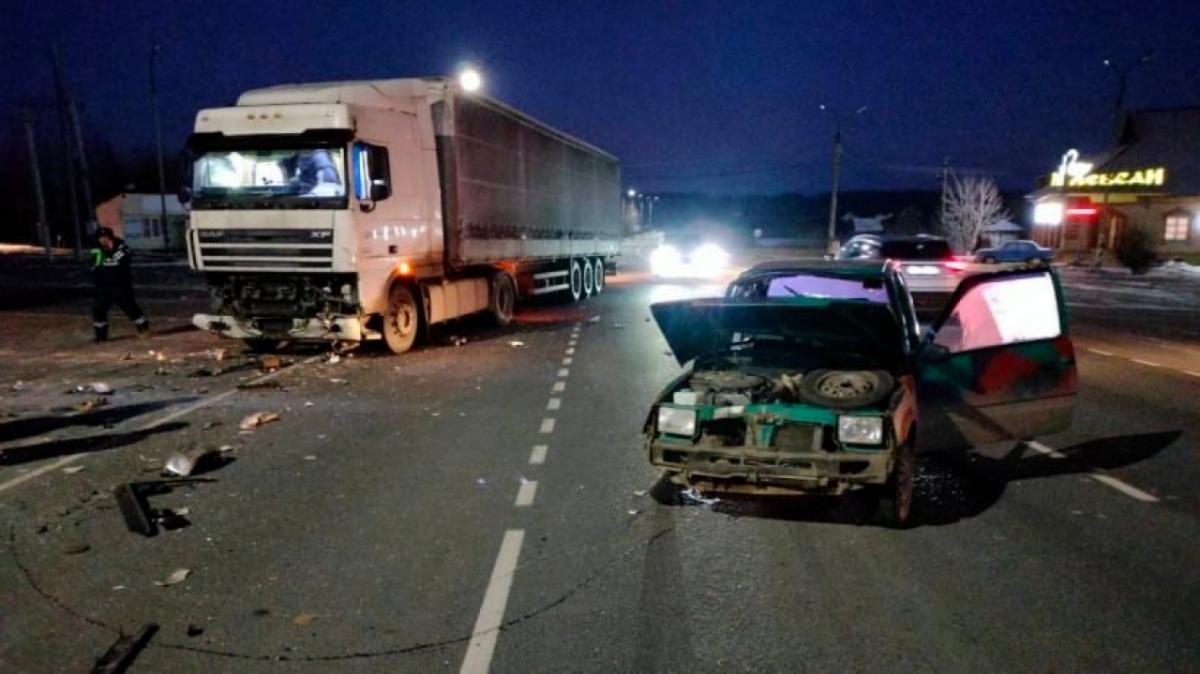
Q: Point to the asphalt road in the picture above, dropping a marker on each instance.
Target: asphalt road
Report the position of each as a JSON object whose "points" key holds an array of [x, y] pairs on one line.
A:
{"points": [[485, 505]]}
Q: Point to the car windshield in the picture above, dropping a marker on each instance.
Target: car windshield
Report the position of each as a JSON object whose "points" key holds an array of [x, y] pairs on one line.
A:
{"points": [[269, 177], [932, 249], [813, 286]]}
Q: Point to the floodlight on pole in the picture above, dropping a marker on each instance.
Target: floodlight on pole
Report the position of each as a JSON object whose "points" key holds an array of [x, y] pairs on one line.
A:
{"points": [[469, 79]]}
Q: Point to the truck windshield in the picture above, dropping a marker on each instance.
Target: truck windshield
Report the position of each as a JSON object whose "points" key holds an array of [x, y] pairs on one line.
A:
{"points": [[269, 178]]}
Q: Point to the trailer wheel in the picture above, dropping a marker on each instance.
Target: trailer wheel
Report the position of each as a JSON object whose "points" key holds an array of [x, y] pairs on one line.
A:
{"points": [[588, 278], [576, 276], [401, 320], [598, 275], [503, 298]]}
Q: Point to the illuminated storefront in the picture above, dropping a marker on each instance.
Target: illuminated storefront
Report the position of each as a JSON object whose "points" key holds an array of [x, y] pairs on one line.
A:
{"points": [[1151, 181]]}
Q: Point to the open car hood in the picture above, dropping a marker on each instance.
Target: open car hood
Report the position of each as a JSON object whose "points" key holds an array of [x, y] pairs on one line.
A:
{"points": [[700, 327]]}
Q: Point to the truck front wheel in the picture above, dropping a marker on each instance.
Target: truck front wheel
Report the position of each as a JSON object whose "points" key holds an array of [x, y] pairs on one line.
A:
{"points": [[401, 320]]}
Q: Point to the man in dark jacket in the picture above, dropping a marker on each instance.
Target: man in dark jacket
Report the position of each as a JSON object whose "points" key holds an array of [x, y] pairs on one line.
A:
{"points": [[114, 283]]}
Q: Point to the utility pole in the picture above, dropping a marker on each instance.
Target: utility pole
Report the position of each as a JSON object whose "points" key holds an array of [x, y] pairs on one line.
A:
{"points": [[43, 226], [162, 180], [832, 242], [1122, 72], [68, 148], [77, 133]]}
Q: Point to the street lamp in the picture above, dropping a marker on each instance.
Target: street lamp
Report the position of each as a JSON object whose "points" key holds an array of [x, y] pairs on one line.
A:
{"points": [[837, 170], [1122, 72], [469, 79], [162, 179]]}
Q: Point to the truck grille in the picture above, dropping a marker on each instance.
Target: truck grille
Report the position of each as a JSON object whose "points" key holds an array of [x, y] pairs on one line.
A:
{"points": [[241, 249]]}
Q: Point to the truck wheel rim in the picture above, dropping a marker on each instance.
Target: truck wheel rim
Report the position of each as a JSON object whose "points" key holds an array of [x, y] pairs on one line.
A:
{"points": [[598, 275], [403, 319], [587, 277], [576, 279]]}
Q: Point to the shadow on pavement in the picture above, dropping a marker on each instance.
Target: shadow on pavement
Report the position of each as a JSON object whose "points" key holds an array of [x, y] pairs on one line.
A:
{"points": [[92, 443], [953, 487], [103, 416]]}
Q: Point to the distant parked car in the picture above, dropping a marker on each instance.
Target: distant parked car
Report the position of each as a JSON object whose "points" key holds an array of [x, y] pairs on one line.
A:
{"points": [[1015, 251]]}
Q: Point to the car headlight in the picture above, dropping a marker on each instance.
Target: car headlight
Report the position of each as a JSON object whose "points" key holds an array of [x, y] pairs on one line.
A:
{"points": [[666, 261], [676, 421], [860, 430]]}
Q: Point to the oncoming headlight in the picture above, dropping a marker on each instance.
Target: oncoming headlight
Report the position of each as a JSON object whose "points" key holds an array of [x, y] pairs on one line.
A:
{"points": [[860, 430], [676, 421]]}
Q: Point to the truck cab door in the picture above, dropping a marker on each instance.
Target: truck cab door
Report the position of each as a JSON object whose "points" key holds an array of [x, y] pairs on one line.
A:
{"points": [[998, 365]]}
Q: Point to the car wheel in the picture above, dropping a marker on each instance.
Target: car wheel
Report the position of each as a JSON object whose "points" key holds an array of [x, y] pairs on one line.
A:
{"points": [[666, 491], [844, 389], [894, 509], [989, 260], [401, 320]]}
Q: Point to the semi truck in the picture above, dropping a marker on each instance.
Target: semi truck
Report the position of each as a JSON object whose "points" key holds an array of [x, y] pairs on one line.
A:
{"points": [[372, 210]]}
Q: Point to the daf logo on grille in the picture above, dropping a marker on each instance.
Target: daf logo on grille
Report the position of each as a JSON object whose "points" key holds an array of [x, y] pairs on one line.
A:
{"points": [[322, 234]]}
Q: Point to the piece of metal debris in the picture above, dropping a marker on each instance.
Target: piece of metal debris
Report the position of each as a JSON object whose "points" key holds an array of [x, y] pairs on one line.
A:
{"points": [[131, 499], [101, 388], [258, 419], [71, 470], [259, 383], [177, 576], [124, 650], [183, 464]]}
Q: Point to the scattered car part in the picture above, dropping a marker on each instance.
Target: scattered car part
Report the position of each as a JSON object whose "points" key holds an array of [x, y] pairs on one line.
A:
{"points": [[177, 576], [135, 508], [122, 653], [183, 464], [844, 389], [257, 419]]}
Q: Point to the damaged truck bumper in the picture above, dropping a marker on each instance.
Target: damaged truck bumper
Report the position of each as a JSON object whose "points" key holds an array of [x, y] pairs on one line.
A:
{"points": [[755, 470], [332, 329]]}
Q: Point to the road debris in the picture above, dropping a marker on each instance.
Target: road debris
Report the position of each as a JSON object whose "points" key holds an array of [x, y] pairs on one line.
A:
{"points": [[71, 470], [194, 630], [634, 512], [640, 492], [334, 359], [162, 371], [128, 356], [226, 448], [310, 457], [17, 386], [308, 403], [101, 388], [216, 353], [257, 419], [207, 371], [269, 363], [618, 325], [89, 405], [183, 464], [124, 650], [259, 384], [594, 319], [516, 343], [177, 576], [335, 380], [455, 340], [76, 549], [131, 499], [303, 619]]}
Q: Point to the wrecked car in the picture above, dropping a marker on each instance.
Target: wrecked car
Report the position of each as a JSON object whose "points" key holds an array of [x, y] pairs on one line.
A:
{"points": [[814, 377]]}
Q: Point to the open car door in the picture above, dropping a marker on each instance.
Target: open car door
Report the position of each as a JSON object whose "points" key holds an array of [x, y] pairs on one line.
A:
{"points": [[998, 365]]}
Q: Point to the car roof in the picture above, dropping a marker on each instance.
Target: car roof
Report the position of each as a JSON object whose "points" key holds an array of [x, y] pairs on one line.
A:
{"points": [[855, 269]]}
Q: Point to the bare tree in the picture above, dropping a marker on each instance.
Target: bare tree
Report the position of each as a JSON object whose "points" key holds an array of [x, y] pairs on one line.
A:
{"points": [[971, 204]]}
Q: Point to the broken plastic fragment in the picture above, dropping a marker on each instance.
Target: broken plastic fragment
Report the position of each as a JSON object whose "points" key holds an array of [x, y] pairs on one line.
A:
{"points": [[101, 388], [258, 419], [183, 464], [177, 576], [640, 492], [334, 359], [303, 619], [71, 470], [335, 380]]}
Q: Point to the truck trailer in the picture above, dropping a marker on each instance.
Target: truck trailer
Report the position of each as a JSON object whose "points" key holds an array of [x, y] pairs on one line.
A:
{"points": [[368, 210]]}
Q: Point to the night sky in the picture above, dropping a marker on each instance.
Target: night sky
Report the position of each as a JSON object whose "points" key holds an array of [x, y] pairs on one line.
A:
{"points": [[713, 96]]}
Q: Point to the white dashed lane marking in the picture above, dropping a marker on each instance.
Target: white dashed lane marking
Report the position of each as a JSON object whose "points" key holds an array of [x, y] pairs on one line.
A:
{"points": [[538, 456], [491, 614], [554, 403], [1098, 352], [568, 361], [1108, 480], [570, 352], [564, 372], [547, 425], [1147, 363], [526, 493], [560, 386]]}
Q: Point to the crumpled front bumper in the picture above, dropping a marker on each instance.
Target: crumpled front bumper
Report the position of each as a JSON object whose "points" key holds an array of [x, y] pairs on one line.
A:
{"points": [[766, 470], [336, 329]]}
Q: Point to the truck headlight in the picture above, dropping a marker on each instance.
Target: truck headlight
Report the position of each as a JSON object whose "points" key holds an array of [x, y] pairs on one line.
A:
{"points": [[860, 430], [676, 421]]}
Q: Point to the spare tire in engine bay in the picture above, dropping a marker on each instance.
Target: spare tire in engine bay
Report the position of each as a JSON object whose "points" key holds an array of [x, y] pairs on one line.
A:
{"points": [[845, 389]]}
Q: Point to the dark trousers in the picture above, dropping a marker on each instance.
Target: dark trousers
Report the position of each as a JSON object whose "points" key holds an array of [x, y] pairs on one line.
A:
{"points": [[121, 295]]}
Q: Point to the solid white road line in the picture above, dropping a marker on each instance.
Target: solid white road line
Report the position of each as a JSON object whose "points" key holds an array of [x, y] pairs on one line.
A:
{"points": [[554, 403], [568, 361], [538, 456], [1191, 374], [560, 386], [547, 425], [169, 417], [1098, 352], [564, 372], [1147, 363], [525, 494], [1123, 487], [491, 614]]}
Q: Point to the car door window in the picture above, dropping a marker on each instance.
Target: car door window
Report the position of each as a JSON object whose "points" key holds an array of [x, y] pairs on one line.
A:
{"points": [[1002, 311]]}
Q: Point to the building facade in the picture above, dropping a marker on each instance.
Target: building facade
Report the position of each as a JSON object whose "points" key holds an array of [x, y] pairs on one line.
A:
{"points": [[137, 218], [1149, 181]]}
